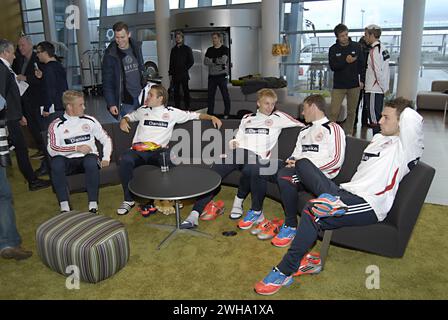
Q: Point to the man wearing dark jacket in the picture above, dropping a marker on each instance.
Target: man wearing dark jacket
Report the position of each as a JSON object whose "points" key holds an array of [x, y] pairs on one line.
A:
{"points": [[181, 60], [347, 62], [122, 72], [14, 116], [32, 99]]}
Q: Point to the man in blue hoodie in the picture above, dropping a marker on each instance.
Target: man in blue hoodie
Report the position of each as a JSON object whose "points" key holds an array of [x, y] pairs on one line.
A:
{"points": [[122, 72], [347, 62]]}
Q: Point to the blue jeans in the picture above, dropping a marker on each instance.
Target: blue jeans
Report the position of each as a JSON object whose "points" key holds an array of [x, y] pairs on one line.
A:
{"points": [[9, 237], [128, 108]]}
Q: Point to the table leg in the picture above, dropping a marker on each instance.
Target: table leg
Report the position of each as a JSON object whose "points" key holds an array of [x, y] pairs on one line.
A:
{"points": [[176, 229]]}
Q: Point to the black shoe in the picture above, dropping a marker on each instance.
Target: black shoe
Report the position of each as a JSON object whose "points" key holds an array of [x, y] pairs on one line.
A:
{"points": [[38, 184], [42, 171], [93, 210]]}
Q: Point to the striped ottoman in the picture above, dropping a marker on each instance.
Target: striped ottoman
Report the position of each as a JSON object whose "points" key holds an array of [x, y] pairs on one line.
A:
{"points": [[96, 244]]}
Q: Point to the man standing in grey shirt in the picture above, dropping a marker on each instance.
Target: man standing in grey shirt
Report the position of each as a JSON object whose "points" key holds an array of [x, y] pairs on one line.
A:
{"points": [[217, 60], [122, 72]]}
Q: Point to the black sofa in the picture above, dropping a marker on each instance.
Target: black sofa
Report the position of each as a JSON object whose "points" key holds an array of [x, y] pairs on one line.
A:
{"points": [[387, 238]]}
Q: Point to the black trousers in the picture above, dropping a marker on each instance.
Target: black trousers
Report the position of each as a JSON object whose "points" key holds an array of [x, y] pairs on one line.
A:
{"points": [[18, 141], [32, 115], [177, 83], [213, 83]]}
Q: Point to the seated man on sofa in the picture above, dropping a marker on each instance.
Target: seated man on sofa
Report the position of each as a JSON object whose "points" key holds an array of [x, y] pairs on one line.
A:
{"points": [[365, 199], [256, 137], [71, 144], [323, 143], [154, 130]]}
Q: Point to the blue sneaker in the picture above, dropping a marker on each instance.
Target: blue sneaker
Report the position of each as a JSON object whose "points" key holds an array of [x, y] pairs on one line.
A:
{"points": [[327, 205], [250, 219], [273, 282], [284, 237]]}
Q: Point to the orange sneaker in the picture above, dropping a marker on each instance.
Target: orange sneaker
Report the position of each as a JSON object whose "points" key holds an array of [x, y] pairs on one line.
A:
{"points": [[260, 227], [271, 229], [212, 210], [310, 264]]}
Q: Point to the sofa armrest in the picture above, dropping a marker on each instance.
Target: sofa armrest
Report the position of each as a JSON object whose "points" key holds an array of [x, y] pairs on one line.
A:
{"points": [[410, 198]]}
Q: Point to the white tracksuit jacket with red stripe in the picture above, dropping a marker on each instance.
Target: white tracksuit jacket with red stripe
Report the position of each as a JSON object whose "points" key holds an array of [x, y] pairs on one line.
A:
{"points": [[259, 132], [66, 132], [386, 160], [323, 143], [378, 72]]}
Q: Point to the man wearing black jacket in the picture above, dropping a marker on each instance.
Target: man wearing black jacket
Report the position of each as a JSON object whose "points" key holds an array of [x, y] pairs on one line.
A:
{"points": [[122, 72], [347, 62], [14, 116], [181, 60], [33, 98]]}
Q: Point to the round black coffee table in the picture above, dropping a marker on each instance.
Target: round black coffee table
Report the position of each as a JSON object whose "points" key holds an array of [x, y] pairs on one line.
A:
{"points": [[178, 183]]}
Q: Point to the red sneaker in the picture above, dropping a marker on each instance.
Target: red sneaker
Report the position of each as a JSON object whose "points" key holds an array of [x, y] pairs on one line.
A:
{"points": [[271, 230], [310, 264], [212, 210]]}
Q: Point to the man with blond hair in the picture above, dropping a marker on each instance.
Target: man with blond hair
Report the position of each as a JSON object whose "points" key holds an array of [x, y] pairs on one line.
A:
{"points": [[257, 135], [71, 145]]}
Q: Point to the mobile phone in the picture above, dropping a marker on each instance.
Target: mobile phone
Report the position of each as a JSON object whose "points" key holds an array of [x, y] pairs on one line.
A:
{"points": [[35, 66]]}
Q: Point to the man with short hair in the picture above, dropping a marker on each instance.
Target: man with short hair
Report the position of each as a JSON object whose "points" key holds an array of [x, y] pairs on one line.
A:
{"points": [[71, 144], [156, 122], [181, 60], [33, 98], [9, 236], [10, 91], [217, 60], [346, 60], [366, 199], [254, 141], [122, 72], [322, 142], [377, 75]]}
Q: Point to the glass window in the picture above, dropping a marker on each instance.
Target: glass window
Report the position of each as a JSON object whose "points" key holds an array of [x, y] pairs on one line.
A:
{"points": [[174, 4], [385, 13], [30, 4], [115, 7], [35, 15], [93, 30], [191, 3], [219, 2], [312, 14], [93, 8], [36, 38], [436, 13], [148, 5], [35, 27], [244, 1]]}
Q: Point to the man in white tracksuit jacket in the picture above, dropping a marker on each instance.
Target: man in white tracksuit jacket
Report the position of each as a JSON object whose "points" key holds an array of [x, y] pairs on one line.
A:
{"points": [[368, 196], [377, 76]]}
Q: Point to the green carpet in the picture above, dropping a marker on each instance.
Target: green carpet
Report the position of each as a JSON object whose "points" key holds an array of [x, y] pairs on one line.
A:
{"points": [[223, 267]]}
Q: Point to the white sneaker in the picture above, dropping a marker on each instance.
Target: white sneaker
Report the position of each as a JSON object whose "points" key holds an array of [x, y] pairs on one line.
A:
{"points": [[125, 207]]}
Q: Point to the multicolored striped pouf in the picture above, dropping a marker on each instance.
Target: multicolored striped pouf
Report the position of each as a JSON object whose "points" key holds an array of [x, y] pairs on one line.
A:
{"points": [[96, 244]]}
